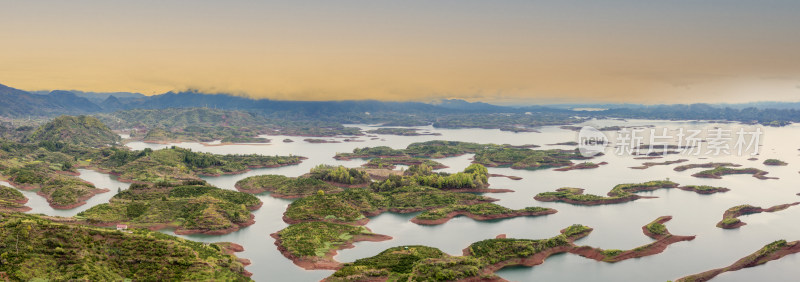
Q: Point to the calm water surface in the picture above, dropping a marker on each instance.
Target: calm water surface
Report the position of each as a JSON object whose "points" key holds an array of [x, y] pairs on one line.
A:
{"points": [[615, 226]]}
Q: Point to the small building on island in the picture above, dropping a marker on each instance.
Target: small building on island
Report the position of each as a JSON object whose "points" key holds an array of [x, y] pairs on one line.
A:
{"points": [[122, 227]]}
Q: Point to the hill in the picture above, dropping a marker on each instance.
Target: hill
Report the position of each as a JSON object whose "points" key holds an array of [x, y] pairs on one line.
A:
{"points": [[39, 248], [78, 130]]}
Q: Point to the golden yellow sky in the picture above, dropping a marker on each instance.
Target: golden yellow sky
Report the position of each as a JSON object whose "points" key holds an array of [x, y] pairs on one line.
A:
{"points": [[496, 51]]}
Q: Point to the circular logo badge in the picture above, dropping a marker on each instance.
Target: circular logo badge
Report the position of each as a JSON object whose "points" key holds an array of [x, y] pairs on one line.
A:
{"points": [[591, 141]]}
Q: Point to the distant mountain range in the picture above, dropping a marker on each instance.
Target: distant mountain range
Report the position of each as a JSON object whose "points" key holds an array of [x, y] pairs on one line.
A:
{"points": [[19, 103]]}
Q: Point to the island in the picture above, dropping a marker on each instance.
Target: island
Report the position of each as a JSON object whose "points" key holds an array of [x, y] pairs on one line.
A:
{"points": [[619, 194], [482, 259], [705, 165], [312, 245], [704, 189], [720, 171], [12, 200], [517, 157], [392, 162], [320, 141], [193, 207], [583, 165], [730, 219], [772, 251], [401, 131], [354, 205], [647, 165], [47, 161], [340, 176], [482, 211], [281, 186], [775, 162], [36, 247]]}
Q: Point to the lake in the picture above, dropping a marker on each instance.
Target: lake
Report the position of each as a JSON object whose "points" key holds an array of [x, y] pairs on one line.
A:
{"points": [[615, 226]]}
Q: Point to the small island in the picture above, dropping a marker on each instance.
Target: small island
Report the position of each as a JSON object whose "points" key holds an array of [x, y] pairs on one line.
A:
{"points": [[775, 162], [619, 194], [704, 189], [730, 218], [354, 205], [720, 171], [312, 245], [583, 165], [193, 207], [772, 251], [401, 131], [647, 165], [480, 260], [392, 162], [12, 200], [483, 211], [281, 186], [320, 141], [705, 165]]}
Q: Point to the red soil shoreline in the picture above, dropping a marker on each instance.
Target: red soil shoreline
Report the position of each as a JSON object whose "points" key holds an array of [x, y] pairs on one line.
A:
{"points": [[661, 243], [581, 166], [705, 165], [453, 214], [506, 176], [326, 262], [757, 173], [749, 210], [751, 260]]}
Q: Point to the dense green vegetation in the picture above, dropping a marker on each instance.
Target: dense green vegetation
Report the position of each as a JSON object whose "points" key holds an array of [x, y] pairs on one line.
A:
{"points": [[704, 189], [656, 228], [192, 206], [285, 186], [175, 164], [518, 157], [521, 158], [77, 130], [719, 171], [32, 166], [354, 204], [34, 248], [396, 263], [775, 162], [11, 199], [194, 133], [317, 238], [392, 162], [482, 209], [422, 263], [769, 252], [618, 194], [339, 174], [475, 176]]}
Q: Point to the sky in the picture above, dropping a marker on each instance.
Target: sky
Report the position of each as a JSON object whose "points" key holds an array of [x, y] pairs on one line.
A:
{"points": [[506, 52]]}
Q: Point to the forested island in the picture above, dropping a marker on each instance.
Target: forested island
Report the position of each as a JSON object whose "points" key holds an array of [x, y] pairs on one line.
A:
{"points": [[481, 259], [38, 247]]}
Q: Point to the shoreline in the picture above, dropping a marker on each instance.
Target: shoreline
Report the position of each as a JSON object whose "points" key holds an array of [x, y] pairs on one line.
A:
{"points": [[326, 262], [477, 217]]}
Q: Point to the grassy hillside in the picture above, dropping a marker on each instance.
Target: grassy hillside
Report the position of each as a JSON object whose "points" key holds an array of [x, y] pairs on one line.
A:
{"points": [[78, 130], [33, 248], [192, 208]]}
